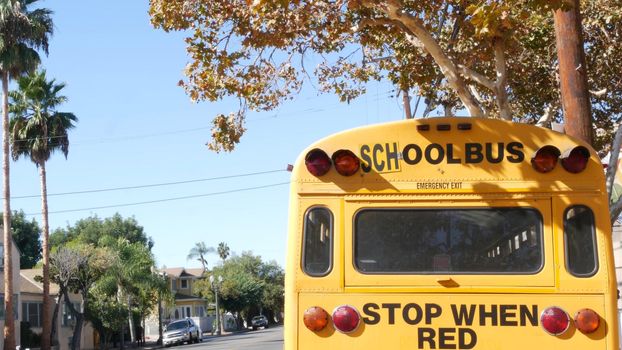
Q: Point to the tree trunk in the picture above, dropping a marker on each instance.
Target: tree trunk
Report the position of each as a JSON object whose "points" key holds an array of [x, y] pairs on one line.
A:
{"points": [[46, 329], [122, 337], [79, 315], [141, 333], [102, 337], [53, 340], [573, 73], [122, 328], [77, 332], [130, 319], [9, 324]]}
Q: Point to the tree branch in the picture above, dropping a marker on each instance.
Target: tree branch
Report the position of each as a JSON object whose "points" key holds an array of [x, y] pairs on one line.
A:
{"points": [[374, 22], [477, 96], [476, 77], [546, 118], [502, 76], [615, 210], [394, 10], [613, 162], [598, 93]]}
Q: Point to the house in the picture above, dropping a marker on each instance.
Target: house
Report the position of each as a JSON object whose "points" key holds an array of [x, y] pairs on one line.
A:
{"points": [[16, 310], [186, 302], [31, 310]]}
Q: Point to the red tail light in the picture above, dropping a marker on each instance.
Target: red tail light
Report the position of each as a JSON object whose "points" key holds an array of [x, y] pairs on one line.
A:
{"points": [[575, 160], [545, 159], [317, 161], [346, 319], [315, 318], [586, 321], [554, 320], [346, 162]]}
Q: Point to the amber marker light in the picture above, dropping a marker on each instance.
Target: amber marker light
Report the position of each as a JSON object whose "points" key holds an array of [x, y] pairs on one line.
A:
{"points": [[315, 318], [586, 321]]}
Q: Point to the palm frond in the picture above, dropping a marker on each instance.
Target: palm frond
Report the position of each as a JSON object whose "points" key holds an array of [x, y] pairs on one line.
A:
{"points": [[40, 130]]}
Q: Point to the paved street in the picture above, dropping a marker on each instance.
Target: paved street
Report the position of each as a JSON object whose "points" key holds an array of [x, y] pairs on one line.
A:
{"points": [[262, 339]]}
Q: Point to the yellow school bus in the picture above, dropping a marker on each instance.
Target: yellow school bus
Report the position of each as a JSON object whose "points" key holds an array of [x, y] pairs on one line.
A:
{"points": [[449, 233]]}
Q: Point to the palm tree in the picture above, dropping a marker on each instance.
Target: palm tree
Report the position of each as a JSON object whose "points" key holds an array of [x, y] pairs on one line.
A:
{"points": [[131, 274], [38, 130], [223, 250], [22, 32], [199, 251]]}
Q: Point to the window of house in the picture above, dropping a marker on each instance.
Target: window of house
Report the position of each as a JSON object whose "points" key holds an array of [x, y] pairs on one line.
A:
{"points": [[173, 283], [184, 284], [199, 311], [15, 309], [32, 312], [1, 256]]}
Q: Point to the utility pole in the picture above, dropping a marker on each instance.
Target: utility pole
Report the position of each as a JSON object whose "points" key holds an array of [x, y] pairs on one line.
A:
{"points": [[573, 72]]}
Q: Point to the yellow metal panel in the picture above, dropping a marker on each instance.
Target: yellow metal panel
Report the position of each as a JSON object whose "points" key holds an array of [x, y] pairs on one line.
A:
{"points": [[435, 321], [453, 170]]}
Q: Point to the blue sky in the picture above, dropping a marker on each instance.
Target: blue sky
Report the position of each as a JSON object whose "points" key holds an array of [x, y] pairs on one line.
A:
{"points": [[137, 127]]}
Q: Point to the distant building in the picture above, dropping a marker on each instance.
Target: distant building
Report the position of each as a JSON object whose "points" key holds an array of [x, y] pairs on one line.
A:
{"points": [[187, 303], [32, 308]]}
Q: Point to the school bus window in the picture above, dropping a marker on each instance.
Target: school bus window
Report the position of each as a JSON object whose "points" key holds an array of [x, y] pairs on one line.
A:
{"points": [[448, 240], [317, 245], [580, 241]]}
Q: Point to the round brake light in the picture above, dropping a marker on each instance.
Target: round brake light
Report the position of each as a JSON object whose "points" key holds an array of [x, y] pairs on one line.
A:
{"points": [[575, 159], [586, 321], [346, 319], [346, 162], [554, 320], [545, 159], [317, 162], [315, 318]]}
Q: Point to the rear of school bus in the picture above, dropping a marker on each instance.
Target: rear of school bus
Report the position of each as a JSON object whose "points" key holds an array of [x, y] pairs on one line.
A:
{"points": [[451, 233]]}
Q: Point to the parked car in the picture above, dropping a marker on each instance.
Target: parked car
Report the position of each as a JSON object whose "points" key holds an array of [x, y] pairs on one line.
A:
{"points": [[180, 331], [259, 321]]}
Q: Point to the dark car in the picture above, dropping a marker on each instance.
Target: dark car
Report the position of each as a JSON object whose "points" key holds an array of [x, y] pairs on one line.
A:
{"points": [[259, 321], [178, 332]]}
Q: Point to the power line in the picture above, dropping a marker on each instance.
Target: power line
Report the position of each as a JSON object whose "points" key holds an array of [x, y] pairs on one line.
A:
{"points": [[379, 96], [163, 200], [151, 185]]}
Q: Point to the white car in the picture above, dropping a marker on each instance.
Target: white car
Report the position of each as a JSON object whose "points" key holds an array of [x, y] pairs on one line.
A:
{"points": [[180, 331], [259, 321]]}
